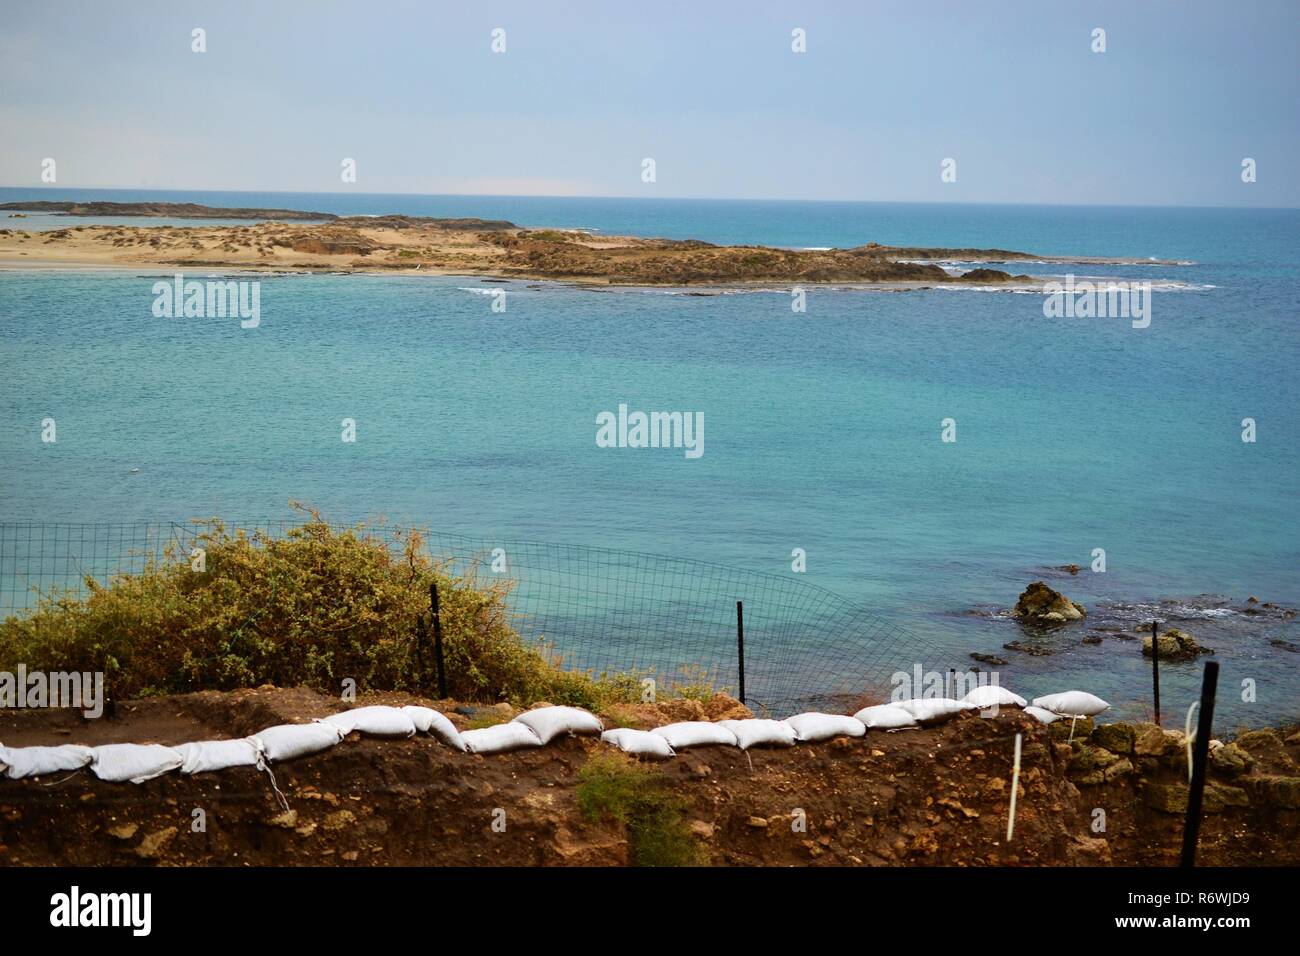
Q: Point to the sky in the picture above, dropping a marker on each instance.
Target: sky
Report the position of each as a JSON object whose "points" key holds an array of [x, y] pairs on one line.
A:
{"points": [[709, 89]]}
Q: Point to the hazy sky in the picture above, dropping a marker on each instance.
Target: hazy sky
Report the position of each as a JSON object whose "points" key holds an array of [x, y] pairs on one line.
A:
{"points": [[709, 89]]}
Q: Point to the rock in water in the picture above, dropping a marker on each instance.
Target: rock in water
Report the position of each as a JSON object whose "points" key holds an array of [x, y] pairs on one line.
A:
{"points": [[1040, 606], [1175, 645]]}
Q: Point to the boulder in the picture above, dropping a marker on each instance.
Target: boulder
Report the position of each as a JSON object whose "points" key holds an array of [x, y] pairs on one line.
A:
{"points": [[1088, 758], [1231, 760], [1040, 606], [1274, 790], [1148, 740], [1061, 729], [1119, 768], [1175, 645], [1033, 650], [1220, 795], [1117, 737], [1167, 797], [1172, 797], [1265, 741]]}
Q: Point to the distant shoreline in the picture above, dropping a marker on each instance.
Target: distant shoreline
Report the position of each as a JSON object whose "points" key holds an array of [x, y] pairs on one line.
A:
{"points": [[289, 241]]}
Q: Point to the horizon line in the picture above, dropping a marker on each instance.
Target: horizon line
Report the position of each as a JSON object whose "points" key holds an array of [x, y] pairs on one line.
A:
{"points": [[738, 199]]}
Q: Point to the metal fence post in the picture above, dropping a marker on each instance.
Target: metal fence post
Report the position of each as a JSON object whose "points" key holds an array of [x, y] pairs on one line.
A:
{"points": [[740, 645], [1200, 757], [1155, 668], [437, 640]]}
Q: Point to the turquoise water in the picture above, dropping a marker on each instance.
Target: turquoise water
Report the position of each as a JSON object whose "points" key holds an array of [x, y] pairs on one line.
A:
{"points": [[822, 429]]}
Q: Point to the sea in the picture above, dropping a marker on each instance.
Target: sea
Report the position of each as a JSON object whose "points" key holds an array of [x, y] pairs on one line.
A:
{"points": [[1078, 440]]}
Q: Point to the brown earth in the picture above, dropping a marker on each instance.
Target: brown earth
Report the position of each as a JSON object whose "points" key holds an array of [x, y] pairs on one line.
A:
{"points": [[927, 797], [482, 247]]}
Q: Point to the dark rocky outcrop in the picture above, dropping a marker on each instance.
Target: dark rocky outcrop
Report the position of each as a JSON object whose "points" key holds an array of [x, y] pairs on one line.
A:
{"points": [[992, 275], [1175, 645], [1040, 606], [168, 210]]}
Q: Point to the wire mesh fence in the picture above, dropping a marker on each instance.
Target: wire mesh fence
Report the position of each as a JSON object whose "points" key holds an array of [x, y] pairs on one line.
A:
{"points": [[600, 609]]}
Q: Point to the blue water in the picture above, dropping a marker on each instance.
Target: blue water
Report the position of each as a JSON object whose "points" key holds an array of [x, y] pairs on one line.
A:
{"points": [[822, 429]]}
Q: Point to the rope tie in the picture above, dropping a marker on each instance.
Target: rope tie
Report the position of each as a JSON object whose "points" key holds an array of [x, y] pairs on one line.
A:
{"points": [[280, 798]]}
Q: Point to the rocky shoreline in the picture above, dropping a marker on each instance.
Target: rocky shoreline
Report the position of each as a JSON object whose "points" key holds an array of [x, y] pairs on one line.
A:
{"points": [[395, 243], [1048, 622]]}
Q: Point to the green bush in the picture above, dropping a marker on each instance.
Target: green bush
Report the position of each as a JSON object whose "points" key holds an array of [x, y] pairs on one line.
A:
{"points": [[310, 608], [613, 787]]}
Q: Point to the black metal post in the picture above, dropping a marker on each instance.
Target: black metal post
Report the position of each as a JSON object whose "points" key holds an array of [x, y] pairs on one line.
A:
{"points": [[437, 641], [1155, 668], [740, 645], [1200, 757]]}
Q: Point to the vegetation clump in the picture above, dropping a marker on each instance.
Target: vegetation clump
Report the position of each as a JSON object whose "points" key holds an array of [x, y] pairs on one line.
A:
{"points": [[312, 607], [612, 786]]}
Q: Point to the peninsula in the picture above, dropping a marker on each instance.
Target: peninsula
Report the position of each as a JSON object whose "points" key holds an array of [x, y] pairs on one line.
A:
{"points": [[287, 240]]}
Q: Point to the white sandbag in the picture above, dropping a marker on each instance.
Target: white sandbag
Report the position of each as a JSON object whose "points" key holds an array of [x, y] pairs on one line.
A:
{"points": [[499, 738], [429, 721], [287, 741], [695, 733], [550, 722], [134, 762], [640, 742], [1072, 703], [934, 710], [757, 731], [1042, 716], [885, 717], [809, 728], [377, 720], [991, 695], [19, 762], [205, 756]]}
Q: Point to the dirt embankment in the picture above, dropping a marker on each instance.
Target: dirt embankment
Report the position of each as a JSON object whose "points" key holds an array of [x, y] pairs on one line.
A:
{"points": [[926, 797], [480, 247]]}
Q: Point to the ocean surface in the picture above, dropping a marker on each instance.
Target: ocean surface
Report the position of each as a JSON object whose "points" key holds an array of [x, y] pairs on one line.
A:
{"points": [[822, 429]]}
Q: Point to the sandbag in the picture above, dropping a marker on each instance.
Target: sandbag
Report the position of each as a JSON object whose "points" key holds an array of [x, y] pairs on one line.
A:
{"points": [[933, 710], [991, 695], [287, 741], [695, 733], [19, 762], [134, 762], [757, 731], [500, 738], [550, 722], [885, 717], [1042, 716], [205, 756], [1072, 703], [377, 720], [811, 727], [640, 742], [429, 721]]}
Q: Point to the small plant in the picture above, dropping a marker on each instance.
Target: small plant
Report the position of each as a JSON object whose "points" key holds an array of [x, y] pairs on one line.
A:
{"points": [[614, 787], [694, 683], [486, 718]]}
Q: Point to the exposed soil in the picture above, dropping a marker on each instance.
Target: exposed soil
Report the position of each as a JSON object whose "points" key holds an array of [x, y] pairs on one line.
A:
{"points": [[924, 797]]}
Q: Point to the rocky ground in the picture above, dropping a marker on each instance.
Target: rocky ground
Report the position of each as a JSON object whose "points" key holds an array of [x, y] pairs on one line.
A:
{"points": [[1114, 794], [481, 247]]}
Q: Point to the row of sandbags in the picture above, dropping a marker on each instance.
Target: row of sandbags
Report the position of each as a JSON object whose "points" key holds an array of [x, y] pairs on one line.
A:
{"points": [[535, 728]]}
